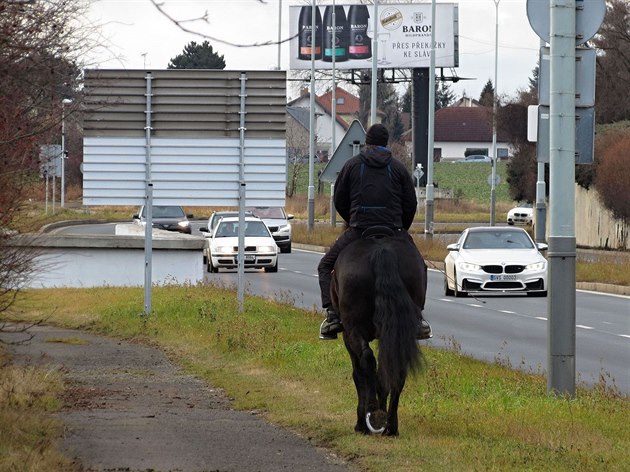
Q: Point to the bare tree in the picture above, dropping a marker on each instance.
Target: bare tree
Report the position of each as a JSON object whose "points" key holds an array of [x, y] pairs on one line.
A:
{"points": [[41, 44]]}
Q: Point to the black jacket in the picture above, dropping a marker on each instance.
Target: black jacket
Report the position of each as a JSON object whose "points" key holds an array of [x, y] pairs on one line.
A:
{"points": [[374, 189]]}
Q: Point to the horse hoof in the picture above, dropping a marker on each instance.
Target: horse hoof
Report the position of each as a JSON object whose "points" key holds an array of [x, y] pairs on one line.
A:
{"points": [[379, 420]]}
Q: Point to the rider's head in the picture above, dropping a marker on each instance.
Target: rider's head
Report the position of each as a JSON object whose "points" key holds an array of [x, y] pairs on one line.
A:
{"points": [[377, 135]]}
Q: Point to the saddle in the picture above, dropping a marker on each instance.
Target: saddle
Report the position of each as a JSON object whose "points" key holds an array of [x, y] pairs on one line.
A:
{"points": [[378, 232]]}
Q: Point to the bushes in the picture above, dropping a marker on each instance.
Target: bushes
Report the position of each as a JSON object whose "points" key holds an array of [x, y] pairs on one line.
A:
{"points": [[613, 176]]}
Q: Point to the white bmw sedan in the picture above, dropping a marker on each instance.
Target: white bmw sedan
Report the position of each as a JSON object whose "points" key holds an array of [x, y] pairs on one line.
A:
{"points": [[495, 259], [261, 251]]}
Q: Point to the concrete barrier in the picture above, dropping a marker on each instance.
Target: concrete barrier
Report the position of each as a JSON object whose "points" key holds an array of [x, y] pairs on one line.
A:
{"points": [[110, 260]]}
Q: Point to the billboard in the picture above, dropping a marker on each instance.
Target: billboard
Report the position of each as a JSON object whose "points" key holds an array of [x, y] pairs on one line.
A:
{"points": [[346, 33], [194, 150]]}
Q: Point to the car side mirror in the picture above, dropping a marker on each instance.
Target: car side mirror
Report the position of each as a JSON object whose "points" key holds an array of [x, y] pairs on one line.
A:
{"points": [[204, 229], [289, 216], [453, 247], [190, 216], [542, 246], [135, 217]]}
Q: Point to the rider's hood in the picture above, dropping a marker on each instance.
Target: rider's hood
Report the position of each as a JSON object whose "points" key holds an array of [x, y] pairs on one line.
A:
{"points": [[376, 156]]}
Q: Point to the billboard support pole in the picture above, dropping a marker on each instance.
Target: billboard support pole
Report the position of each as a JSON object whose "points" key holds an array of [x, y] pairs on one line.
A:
{"points": [[148, 206], [428, 209], [373, 90], [311, 131]]}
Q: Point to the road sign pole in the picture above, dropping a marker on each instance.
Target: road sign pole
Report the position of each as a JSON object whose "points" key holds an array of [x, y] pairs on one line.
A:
{"points": [[561, 300]]}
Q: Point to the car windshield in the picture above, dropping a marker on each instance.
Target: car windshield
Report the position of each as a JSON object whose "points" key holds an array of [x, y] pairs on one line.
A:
{"points": [[497, 240], [166, 212], [228, 229], [267, 212]]}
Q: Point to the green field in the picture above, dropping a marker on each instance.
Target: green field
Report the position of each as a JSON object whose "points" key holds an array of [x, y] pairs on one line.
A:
{"points": [[468, 181]]}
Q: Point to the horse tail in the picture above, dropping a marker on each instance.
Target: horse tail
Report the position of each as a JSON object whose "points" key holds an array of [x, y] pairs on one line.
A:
{"points": [[395, 318]]}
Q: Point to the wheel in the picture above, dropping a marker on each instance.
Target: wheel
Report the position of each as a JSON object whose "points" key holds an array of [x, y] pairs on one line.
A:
{"points": [[447, 291], [511, 223], [456, 292], [272, 269], [286, 249]]}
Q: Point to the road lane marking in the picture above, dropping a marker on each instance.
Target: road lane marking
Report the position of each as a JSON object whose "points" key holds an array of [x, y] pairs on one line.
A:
{"points": [[624, 335], [540, 318], [508, 312], [584, 327]]}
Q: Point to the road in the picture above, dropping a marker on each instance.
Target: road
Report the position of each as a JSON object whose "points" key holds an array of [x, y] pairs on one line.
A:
{"points": [[511, 329]]}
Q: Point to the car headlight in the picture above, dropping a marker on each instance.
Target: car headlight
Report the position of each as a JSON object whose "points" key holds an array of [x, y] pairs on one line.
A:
{"points": [[536, 266], [223, 250], [467, 266], [183, 224], [266, 249], [284, 229]]}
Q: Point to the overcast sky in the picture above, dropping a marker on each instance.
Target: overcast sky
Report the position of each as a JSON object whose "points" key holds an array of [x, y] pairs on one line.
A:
{"points": [[139, 36]]}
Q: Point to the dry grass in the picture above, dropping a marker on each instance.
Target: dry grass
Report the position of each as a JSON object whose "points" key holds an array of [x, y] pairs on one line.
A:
{"points": [[28, 433]]}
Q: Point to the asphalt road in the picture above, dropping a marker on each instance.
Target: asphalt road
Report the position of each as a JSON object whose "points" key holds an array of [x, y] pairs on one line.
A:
{"points": [[491, 327]]}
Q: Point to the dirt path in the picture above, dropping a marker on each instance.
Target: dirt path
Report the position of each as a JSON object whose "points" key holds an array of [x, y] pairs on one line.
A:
{"points": [[128, 408]]}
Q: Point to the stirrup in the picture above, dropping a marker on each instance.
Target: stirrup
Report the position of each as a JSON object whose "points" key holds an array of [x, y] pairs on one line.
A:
{"points": [[328, 336], [423, 333]]}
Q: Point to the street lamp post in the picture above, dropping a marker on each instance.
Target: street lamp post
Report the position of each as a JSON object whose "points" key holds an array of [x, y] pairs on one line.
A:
{"points": [[64, 102], [493, 187]]}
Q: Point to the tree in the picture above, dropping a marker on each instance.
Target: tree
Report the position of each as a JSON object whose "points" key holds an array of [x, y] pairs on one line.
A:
{"points": [[197, 56], [444, 96], [612, 101], [486, 98], [40, 50]]}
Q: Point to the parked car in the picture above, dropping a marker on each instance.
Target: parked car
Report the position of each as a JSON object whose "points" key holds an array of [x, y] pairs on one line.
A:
{"points": [[495, 259], [278, 222], [261, 251], [521, 215], [167, 217], [475, 158]]}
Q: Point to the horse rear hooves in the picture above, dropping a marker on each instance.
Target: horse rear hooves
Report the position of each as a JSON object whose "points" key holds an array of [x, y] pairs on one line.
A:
{"points": [[376, 422]]}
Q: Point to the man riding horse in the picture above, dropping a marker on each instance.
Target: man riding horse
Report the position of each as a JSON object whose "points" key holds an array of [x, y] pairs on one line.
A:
{"points": [[372, 189]]}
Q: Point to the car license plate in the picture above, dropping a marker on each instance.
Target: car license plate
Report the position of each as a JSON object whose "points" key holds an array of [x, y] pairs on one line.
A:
{"points": [[248, 258], [499, 278]]}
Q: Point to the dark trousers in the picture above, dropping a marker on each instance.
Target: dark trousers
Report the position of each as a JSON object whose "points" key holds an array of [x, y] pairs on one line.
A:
{"points": [[326, 265]]}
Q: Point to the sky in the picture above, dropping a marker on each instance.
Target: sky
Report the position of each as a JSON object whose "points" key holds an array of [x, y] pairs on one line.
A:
{"points": [[135, 35]]}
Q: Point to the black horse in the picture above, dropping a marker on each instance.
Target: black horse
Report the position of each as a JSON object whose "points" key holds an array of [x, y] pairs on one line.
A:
{"points": [[378, 287]]}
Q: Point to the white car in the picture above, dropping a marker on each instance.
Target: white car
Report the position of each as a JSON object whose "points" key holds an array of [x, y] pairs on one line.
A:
{"points": [[495, 259], [261, 251], [277, 220], [521, 215]]}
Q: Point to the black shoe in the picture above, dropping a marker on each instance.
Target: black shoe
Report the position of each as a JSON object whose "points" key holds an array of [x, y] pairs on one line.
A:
{"points": [[424, 330], [330, 326]]}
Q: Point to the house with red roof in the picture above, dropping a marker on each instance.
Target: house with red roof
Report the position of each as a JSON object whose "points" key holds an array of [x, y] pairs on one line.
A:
{"points": [[347, 108], [462, 129]]}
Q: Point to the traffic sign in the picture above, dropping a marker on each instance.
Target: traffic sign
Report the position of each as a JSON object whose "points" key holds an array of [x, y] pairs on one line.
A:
{"points": [[584, 77], [354, 137], [588, 18]]}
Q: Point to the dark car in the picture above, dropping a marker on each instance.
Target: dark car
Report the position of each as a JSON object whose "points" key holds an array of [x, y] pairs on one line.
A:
{"points": [[166, 217]]}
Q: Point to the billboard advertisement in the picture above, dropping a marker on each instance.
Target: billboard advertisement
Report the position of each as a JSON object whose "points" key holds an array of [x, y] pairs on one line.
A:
{"points": [[346, 33]]}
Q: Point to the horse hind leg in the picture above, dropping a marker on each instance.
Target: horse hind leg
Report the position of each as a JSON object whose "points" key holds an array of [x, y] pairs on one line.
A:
{"points": [[375, 417], [392, 412]]}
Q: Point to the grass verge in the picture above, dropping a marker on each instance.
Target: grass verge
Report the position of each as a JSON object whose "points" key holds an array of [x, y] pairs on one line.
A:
{"points": [[28, 431], [460, 414]]}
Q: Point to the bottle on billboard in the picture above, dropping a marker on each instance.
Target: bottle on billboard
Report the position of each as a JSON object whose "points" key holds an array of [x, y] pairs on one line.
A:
{"points": [[360, 44], [335, 42], [307, 39]]}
